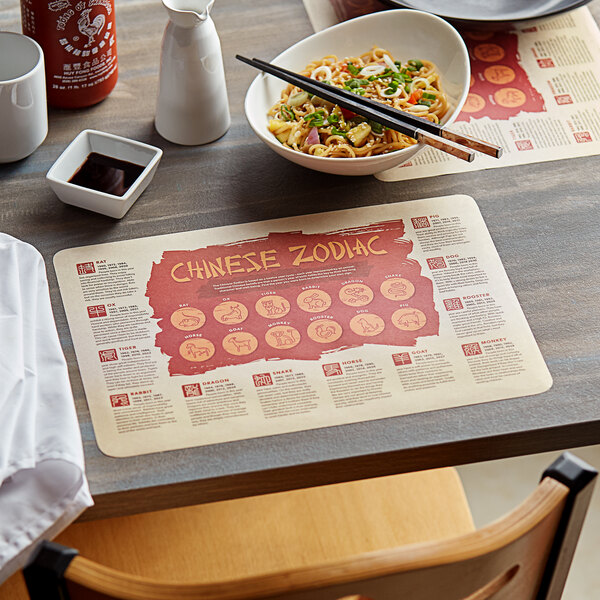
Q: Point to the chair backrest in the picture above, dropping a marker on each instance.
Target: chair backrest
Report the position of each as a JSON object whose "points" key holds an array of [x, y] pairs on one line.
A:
{"points": [[525, 555]]}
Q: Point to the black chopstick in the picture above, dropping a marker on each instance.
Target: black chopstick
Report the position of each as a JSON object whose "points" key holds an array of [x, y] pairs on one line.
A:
{"points": [[420, 129]]}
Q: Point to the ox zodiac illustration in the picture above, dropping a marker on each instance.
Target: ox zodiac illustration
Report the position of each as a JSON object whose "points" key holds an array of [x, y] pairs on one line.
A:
{"points": [[239, 344], [356, 294], [314, 302], [195, 351], [234, 314]]}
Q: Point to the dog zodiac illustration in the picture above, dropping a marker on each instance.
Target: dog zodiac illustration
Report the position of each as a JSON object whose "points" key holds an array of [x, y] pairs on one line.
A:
{"points": [[314, 302], [366, 326]]}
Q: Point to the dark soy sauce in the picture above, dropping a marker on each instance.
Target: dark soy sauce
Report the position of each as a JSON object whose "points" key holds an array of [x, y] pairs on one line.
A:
{"points": [[106, 174]]}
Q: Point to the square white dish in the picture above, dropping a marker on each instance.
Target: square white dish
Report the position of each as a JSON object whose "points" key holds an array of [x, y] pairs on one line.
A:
{"points": [[115, 146]]}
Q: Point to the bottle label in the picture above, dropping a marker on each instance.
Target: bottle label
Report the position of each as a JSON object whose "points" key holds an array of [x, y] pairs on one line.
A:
{"points": [[85, 33]]}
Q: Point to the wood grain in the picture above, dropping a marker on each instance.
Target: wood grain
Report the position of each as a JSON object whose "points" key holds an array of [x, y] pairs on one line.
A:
{"points": [[543, 219]]}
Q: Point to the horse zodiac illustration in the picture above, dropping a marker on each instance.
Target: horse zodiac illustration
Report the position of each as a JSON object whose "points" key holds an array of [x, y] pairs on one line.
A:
{"points": [[272, 309], [195, 351], [325, 331], [357, 294], [235, 314], [314, 302], [284, 338], [239, 344]]}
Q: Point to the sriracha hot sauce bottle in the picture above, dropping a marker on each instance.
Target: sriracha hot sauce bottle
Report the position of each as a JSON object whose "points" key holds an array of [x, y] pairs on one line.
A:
{"points": [[79, 44]]}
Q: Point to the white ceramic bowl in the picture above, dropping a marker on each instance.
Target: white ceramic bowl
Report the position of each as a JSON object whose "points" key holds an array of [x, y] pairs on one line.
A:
{"points": [[110, 145], [406, 34]]}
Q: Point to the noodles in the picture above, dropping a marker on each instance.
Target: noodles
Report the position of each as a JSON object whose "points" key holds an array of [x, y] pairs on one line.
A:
{"points": [[308, 124]]}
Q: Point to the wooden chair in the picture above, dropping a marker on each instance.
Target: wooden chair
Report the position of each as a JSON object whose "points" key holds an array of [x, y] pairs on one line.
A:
{"points": [[406, 537]]}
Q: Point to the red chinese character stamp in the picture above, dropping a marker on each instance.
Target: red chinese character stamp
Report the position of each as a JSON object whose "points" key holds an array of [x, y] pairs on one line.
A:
{"points": [[581, 137], [85, 268], [472, 349], [402, 358], [437, 262], [191, 390], [563, 99], [96, 311], [453, 304], [524, 145], [332, 369], [119, 400], [420, 222], [108, 355], [545, 63], [262, 379]]}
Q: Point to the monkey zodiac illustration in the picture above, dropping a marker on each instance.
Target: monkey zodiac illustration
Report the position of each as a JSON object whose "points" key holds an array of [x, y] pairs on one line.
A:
{"points": [[284, 338]]}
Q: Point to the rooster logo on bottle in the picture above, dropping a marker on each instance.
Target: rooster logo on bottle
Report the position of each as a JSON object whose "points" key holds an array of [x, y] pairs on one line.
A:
{"points": [[90, 28]]}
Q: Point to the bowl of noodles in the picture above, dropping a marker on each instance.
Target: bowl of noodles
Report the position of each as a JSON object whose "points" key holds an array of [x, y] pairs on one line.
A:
{"points": [[408, 59]]}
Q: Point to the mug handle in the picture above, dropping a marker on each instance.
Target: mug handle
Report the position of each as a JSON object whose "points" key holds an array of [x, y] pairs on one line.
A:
{"points": [[15, 96]]}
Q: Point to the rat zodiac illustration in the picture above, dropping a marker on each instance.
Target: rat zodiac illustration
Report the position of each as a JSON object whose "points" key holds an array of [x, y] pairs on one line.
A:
{"points": [[189, 320]]}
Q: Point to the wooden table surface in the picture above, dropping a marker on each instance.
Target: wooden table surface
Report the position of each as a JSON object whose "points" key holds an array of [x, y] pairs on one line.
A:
{"points": [[543, 219]]}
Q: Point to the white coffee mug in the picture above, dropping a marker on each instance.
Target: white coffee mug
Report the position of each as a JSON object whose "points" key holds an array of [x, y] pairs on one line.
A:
{"points": [[23, 110]]}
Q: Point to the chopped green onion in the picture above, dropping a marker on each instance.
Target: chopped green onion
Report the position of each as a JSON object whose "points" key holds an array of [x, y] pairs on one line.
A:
{"points": [[333, 118], [408, 88], [287, 113], [398, 64], [372, 78], [417, 64], [424, 102], [352, 69], [335, 131], [429, 96], [376, 127]]}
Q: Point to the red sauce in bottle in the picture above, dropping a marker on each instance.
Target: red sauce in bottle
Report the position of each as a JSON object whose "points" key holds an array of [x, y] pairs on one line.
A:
{"points": [[79, 43]]}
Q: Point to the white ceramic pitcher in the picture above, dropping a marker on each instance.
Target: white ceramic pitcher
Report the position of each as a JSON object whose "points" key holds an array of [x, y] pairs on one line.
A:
{"points": [[192, 105]]}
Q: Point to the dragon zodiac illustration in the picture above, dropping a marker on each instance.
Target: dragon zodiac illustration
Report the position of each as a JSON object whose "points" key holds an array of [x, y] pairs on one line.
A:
{"points": [[356, 294]]}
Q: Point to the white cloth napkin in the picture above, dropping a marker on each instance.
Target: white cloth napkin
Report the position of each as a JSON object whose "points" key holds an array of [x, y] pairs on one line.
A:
{"points": [[43, 486]]}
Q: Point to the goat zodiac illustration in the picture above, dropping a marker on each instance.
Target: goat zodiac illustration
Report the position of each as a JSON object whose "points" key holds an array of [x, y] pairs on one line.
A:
{"points": [[242, 344]]}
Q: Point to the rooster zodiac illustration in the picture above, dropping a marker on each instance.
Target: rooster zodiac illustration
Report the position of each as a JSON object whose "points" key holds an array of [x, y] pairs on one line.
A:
{"points": [[325, 331], [90, 28]]}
